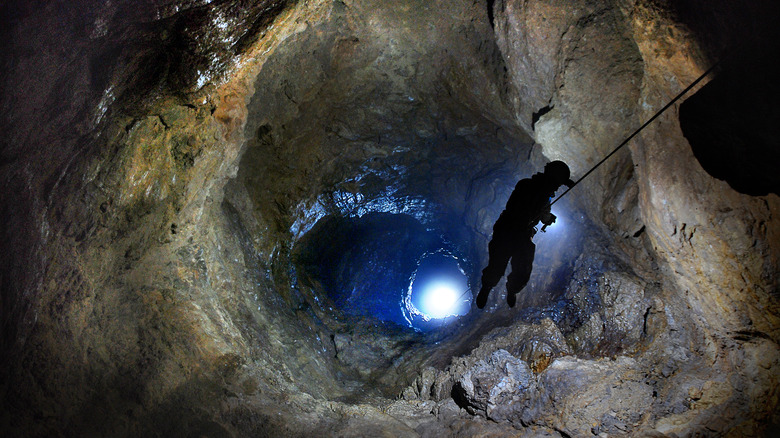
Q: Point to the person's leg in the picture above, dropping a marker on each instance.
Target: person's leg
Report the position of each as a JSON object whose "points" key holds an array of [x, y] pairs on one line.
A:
{"points": [[499, 252], [522, 263]]}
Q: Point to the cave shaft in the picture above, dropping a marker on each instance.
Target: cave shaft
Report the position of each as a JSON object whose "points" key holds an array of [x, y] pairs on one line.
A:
{"points": [[209, 207]]}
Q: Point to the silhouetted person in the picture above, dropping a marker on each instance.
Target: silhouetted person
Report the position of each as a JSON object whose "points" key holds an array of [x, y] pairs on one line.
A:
{"points": [[514, 229]]}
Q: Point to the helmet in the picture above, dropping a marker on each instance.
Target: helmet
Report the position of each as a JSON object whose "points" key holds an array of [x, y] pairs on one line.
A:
{"points": [[559, 171]]}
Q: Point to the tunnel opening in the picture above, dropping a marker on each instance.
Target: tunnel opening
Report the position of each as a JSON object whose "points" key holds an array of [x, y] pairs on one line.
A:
{"points": [[371, 266], [370, 160], [730, 122], [438, 291]]}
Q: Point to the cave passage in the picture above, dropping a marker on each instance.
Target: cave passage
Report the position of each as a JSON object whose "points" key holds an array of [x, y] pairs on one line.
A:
{"points": [[379, 265], [438, 291], [266, 218]]}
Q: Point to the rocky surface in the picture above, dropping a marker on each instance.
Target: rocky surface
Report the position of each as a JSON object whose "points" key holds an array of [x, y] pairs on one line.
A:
{"points": [[164, 165]]}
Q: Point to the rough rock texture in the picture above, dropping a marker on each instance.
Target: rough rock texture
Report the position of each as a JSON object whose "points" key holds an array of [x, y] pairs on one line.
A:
{"points": [[492, 385], [163, 161], [574, 396]]}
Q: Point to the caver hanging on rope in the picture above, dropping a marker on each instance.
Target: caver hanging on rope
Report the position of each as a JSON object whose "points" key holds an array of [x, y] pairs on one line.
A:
{"points": [[528, 205], [514, 230]]}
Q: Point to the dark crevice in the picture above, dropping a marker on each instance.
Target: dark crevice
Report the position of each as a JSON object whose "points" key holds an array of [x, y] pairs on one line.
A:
{"points": [[749, 335], [644, 320], [538, 114], [459, 395], [491, 18]]}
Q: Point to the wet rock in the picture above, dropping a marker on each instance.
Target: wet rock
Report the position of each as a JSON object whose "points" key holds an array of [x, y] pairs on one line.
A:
{"points": [[619, 322], [588, 336], [624, 308], [578, 397]]}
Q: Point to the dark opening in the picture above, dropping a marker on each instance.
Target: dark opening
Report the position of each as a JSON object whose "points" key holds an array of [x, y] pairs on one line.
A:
{"points": [[731, 123]]}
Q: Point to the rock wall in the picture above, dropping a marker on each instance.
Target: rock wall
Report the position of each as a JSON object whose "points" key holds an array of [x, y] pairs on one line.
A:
{"points": [[713, 245], [125, 292], [159, 161], [639, 58]]}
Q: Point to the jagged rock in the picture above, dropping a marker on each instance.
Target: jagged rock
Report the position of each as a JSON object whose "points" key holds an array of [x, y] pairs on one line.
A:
{"points": [[533, 343], [619, 321], [588, 336], [431, 384], [624, 308], [581, 397], [493, 386]]}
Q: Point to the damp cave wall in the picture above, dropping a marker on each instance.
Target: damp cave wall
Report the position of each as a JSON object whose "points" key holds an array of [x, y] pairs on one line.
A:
{"points": [[109, 308]]}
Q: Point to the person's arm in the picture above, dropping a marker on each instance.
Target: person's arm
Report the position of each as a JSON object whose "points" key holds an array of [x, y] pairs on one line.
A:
{"points": [[547, 217]]}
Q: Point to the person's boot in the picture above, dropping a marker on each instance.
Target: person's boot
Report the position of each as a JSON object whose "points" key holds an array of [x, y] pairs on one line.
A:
{"points": [[483, 296], [511, 298]]}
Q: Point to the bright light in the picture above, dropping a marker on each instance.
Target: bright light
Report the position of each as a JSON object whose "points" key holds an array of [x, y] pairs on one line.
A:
{"points": [[559, 225], [439, 300], [438, 290]]}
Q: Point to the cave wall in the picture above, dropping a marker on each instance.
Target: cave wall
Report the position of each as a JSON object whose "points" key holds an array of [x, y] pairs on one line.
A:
{"points": [[159, 161], [639, 58], [125, 294], [711, 249], [132, 292]]}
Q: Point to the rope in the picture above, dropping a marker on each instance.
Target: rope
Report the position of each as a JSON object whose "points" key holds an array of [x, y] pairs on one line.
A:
{"points": [[464, 294], [625, 142], [672, 102]]}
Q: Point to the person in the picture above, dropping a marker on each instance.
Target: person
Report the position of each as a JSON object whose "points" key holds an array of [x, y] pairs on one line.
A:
{"points": [[528, 204]]}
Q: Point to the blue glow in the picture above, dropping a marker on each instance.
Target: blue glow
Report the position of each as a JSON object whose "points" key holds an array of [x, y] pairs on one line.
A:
{"points": [[438, 290], [560, 222]]}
